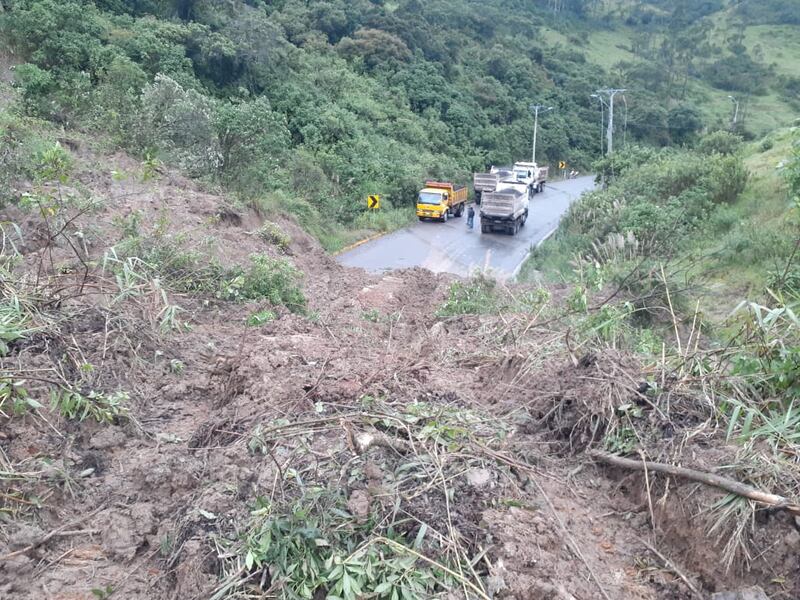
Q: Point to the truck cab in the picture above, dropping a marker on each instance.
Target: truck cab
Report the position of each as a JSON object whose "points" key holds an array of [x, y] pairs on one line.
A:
{"points": [[524, 174], [432, 203], [439, 200], [532, 175]]}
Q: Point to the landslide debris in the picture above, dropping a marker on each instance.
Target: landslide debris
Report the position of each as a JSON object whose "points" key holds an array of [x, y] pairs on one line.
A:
{"points": [[200, 403]]}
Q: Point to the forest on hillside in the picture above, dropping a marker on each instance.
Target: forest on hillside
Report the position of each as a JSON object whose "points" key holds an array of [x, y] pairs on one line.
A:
{"points": [[320, 103]]}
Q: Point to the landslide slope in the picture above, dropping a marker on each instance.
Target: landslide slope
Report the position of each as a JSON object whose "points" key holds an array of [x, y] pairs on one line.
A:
{"points": [[199, 403]]}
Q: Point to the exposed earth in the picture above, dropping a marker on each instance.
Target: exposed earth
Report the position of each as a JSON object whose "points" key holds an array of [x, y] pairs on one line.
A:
{"points": [[475, 426]]}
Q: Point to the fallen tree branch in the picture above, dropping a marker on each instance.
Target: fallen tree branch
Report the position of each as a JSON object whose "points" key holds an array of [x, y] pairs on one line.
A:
{"points": [[723, 483]]}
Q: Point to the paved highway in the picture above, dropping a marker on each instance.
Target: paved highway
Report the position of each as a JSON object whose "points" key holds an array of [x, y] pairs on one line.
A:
{"points": [[453, 248]]}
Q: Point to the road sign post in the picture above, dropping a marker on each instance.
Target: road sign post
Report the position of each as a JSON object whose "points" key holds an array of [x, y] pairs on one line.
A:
{"points": [[562, 165], [373, 202]]}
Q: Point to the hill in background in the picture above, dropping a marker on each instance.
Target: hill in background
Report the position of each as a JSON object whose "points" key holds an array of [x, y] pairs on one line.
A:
{"points": [[307, 107]]}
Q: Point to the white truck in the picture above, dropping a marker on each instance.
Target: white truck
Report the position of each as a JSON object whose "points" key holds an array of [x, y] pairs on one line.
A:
{"points": [[505, 208], [531, 174]]}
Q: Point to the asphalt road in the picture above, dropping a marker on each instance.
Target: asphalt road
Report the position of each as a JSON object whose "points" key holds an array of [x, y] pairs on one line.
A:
{"points": [[453, 248]]}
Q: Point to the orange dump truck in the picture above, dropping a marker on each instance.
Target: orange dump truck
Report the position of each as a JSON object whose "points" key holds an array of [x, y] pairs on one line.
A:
{"points": [[441, 200]]}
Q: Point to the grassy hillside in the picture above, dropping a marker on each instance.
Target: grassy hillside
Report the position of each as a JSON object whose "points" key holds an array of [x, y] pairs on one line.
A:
{"points": [[754, 247], [710, 53], [722, 218]]}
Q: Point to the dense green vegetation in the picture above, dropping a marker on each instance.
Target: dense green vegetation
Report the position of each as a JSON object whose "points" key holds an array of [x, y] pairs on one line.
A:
{"points": [[723, 212], [656, 202], [307, 107]]}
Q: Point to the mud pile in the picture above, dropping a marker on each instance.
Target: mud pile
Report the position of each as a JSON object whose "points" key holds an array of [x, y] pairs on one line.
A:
{"points": [[466, 434]]}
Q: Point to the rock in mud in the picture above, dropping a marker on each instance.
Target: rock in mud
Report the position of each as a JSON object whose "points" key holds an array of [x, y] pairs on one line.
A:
{"points": [[793, 540], [12, 572], [106, 438], [753, 593], [358, 505], [373, 472], [479, 478], [124, 532], [191, 579], [24, 536]]}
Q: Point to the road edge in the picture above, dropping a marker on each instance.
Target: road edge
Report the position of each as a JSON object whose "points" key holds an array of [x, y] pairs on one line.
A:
{"points": [[367, 240], [546, 237]]}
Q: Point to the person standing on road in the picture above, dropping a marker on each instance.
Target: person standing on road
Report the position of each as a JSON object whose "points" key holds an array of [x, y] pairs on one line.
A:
{"points": [[471, 217]]}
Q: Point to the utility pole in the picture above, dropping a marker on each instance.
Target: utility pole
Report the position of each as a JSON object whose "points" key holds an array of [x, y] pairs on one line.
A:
{"points": [[602, 120], [625, 127], [610, 133], [735, 112], [536, 108]]}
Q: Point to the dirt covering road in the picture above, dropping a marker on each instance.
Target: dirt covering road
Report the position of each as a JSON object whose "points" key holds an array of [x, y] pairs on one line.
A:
{"points": [[368, 419]]}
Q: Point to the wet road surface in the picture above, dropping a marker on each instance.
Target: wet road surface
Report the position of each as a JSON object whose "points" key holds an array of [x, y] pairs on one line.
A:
{"points": [[453, 248]]}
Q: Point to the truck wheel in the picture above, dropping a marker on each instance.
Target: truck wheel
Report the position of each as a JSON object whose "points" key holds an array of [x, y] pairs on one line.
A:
{"points": [[541, 187], [484, 228], [444, 216], [460, 210]]}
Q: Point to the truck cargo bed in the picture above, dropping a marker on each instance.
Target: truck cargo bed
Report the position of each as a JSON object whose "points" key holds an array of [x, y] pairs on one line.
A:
{"points": [[485, 182], [504, 210]]}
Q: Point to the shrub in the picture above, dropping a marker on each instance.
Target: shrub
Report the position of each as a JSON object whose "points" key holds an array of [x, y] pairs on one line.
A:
{"points": [[473, 297], [720, 142], [14, 395], [314, 545], [273, 234], [53, 163], [162, 254], [727, 179], [792, 168], [260, 318], [179, 122], [35, 86], [19, 145], [116, 101], [272, 279]]}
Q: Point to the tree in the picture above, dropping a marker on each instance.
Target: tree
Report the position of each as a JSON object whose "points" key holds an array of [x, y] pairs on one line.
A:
{"points": [[249, 135], [375, 47], [180, 123], [684, 123]]}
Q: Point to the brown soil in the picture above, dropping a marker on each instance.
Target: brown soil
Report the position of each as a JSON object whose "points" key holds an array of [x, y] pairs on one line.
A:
{"points": [[130, 502]]}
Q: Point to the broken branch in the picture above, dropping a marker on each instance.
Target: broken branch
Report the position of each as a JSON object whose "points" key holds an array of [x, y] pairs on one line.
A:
{"points": [[723, 483]]}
